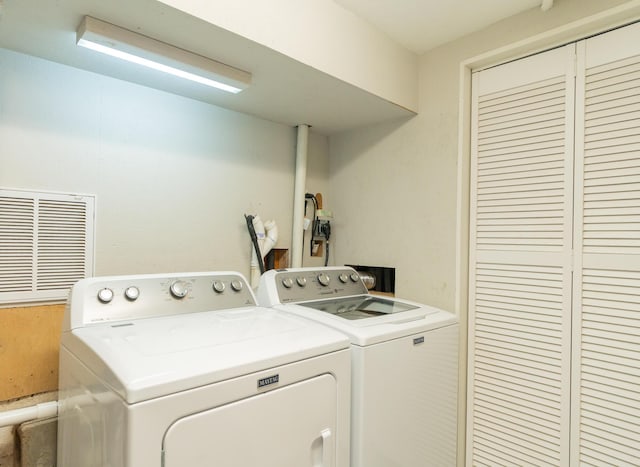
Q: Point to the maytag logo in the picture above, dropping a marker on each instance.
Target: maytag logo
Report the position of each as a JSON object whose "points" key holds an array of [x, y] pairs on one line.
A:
{"points": [[268, 380], [418, 340]]}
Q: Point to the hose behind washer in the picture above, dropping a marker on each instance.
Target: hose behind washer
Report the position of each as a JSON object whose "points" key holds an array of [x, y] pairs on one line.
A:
{"points": [[254, 240]]}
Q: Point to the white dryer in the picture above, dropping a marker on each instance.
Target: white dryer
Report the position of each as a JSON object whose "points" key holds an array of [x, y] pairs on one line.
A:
{"points": [[404, 364], [185, 370]]}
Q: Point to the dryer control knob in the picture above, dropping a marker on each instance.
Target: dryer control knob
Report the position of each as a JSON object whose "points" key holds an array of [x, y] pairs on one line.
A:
{"points": [[343, 278], [218, 286], [179, 289], [236, 285], [105, 295], [354, 277], [287, 282], [132, 293], [324, 279], [302, 281]]}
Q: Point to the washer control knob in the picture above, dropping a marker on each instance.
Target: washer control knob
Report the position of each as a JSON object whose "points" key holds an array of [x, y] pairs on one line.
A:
{"points": [[105, 295], [178, 289], [343, 278], [355, 277], [324, 279], [302, 281], [236, 285], [218, 286], [132, 293], [287, 282]]}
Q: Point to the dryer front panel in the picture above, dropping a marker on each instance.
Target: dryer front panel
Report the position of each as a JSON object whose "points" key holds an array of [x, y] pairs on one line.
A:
{"points": [[293, 426]]}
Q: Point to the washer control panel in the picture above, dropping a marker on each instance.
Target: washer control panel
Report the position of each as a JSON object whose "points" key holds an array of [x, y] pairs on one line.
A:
{"points": [[303, 284], [105, 299]]}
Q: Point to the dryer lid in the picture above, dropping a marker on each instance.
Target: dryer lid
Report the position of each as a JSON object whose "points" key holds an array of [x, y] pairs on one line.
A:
{"points": [[145, 359]]}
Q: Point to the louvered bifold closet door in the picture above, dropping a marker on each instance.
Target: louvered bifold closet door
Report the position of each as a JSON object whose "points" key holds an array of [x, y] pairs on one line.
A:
{"points": [[606, 410], [520, 262]]}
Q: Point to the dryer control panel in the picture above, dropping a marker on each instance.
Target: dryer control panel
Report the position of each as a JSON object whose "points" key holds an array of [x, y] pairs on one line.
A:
{"points": [[116, 298], [305, 284]]}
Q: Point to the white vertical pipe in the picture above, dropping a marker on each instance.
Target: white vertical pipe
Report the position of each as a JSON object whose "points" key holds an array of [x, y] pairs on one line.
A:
{"points": [[298, 196], [546, 5]]}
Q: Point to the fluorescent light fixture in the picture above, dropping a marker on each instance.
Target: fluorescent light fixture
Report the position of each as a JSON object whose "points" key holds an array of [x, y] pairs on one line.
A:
{"points": [[133, 47]]}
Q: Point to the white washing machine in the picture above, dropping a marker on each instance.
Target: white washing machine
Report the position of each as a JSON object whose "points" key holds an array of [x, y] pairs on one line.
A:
{"points": [[185, 370], [404, 364]]}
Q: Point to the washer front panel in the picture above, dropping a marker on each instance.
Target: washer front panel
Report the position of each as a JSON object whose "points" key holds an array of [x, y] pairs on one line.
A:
{"points": [[417, 398]]}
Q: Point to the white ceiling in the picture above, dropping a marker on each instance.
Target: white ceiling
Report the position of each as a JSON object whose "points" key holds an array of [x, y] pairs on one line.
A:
{"points": [[420, 25], [283, 90]]}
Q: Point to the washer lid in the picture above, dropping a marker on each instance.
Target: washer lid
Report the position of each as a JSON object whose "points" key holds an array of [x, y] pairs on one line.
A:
{"points": [[148, 358], [360, 307], [370, 320]]}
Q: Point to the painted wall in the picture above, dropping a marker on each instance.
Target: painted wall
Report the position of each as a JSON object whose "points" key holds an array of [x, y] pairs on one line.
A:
{"points": [[323, 35], [397, 181], [173, 177]]}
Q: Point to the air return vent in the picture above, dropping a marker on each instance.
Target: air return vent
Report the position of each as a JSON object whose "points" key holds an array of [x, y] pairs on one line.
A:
{"points": [[46, 244]]}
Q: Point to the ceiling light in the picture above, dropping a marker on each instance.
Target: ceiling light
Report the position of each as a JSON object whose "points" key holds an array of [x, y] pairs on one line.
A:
{"points": [[133, 47]]}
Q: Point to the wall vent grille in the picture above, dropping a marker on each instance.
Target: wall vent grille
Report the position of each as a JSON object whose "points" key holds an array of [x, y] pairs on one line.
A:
{"points": [[46, 244]]}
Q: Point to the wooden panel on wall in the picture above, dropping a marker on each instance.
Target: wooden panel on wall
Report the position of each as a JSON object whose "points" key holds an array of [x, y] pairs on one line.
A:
{"points": [[29, 347], [280, 258]]}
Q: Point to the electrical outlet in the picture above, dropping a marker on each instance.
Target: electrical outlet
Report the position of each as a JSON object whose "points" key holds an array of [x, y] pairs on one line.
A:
{"points": [[322, 229], [317, 248]]}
